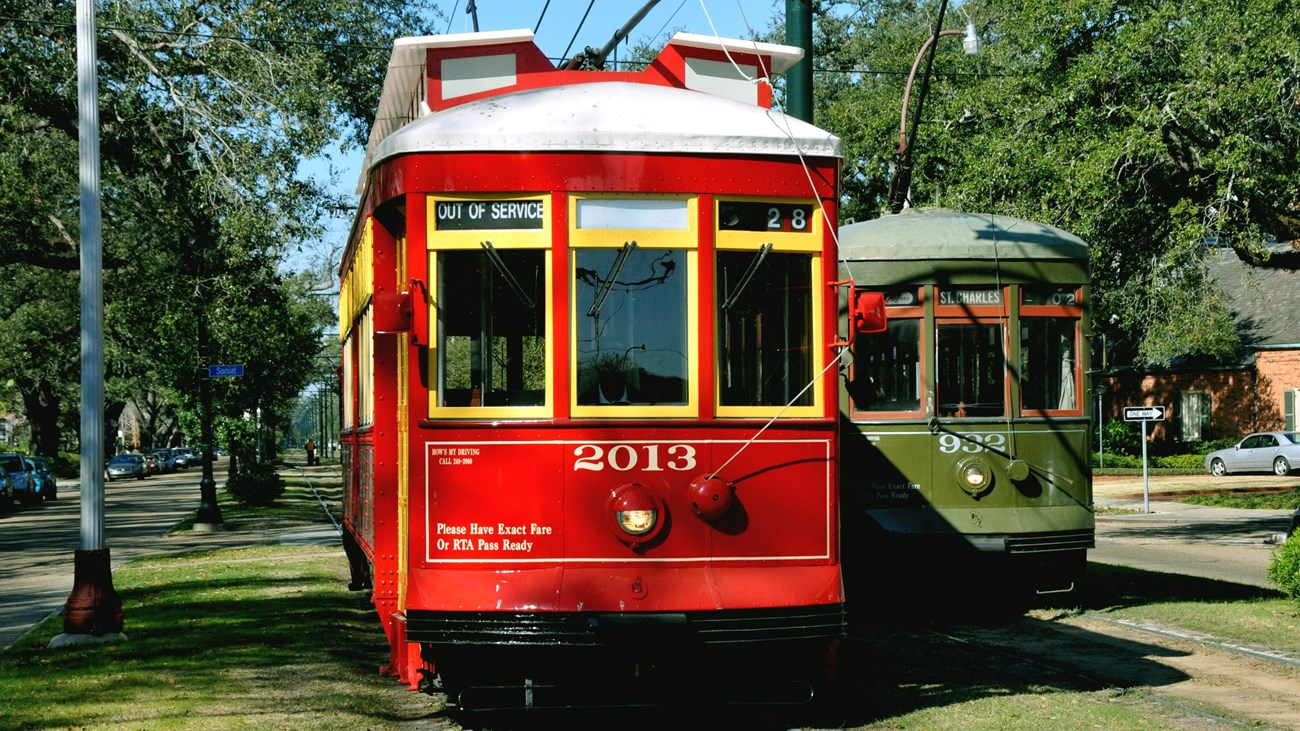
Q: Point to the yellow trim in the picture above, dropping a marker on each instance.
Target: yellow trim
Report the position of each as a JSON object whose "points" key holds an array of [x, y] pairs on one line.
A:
{"points": [[403, 471], [486, 412], [676, 238], [691, 407], [780, 240], [505, 238], [817, 342]]}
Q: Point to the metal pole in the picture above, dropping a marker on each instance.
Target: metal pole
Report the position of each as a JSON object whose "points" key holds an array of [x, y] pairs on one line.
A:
{"points": [[93, 607], [209, 516], [1101, 445], [799, 79], [1146, 487]]}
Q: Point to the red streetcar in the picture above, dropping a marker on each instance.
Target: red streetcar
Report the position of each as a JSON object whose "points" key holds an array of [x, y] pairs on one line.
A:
{"points": [[590, 396]]}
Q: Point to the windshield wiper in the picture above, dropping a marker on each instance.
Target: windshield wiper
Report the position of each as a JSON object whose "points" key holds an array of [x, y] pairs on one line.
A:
{"points": [[754, 264], [608, 283], [504, 271]]}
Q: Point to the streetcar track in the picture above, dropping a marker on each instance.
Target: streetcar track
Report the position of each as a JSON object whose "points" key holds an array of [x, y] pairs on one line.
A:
{"points": [[1087, 679]]}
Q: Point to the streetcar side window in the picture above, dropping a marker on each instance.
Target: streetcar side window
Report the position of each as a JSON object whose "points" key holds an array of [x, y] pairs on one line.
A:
{"points": [[492, 327], [631, 327], [970, 370], [1048, 364], [764, 316], [887, 368]]}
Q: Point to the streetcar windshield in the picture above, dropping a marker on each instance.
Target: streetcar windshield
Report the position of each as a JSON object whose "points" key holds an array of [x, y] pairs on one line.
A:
{"points": [[631, 326], [765, 321], [971, 370], [491, 328], [887, 368], [1048, 364]]}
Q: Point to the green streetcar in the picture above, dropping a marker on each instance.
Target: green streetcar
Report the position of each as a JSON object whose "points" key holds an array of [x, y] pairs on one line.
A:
{"points": [[966, 423]]}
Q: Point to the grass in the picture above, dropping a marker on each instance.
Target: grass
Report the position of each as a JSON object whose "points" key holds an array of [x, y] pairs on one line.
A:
{"points": [[1288, 500], [268, 637], [264, 637]]}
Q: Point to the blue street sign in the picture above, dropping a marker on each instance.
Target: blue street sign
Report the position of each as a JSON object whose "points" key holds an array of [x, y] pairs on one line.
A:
{"points": [[225, 371]]}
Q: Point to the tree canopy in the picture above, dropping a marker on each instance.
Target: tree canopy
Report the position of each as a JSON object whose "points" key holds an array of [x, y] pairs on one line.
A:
{"points": [[207, 111], [1152, 130]]}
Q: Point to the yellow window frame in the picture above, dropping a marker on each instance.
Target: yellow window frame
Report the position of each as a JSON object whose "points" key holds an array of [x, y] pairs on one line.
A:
{"points": [[668, 238], [439, 241], [817, 340]]}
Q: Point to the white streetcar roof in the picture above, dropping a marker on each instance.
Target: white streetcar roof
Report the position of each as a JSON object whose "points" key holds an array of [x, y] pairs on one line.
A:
{"points": [[611, 116]]}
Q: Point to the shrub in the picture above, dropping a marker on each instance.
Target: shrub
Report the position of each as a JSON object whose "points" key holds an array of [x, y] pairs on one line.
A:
{"points": [[256, 485], [1284, 570], [1123, 437], [1180, 461]]}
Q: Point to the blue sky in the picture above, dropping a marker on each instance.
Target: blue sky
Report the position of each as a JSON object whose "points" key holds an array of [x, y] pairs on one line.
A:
{"points": [[730, 18], [562, 17]]}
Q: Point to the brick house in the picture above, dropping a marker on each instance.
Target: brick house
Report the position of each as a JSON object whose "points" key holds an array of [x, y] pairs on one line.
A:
{"points": [[1204, 400]]}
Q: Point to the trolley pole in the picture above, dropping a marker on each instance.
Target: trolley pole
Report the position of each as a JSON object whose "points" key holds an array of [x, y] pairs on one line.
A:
{"points": [[93, 611]]}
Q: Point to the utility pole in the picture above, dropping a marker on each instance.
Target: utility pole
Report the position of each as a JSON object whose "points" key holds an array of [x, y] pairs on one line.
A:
{"points": [[93, 612], [799, 79]]}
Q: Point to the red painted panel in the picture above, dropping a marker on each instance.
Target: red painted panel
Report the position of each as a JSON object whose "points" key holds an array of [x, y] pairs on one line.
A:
{"points": [[608, 172]]}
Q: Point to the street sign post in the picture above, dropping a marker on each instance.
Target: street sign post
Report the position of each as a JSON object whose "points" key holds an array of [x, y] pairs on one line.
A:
{"points": [[225, 371], [1144, 414]]}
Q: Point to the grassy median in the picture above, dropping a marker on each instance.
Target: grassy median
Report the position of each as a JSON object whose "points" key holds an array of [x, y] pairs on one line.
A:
{"points": [[259, 637], [268, 637]]}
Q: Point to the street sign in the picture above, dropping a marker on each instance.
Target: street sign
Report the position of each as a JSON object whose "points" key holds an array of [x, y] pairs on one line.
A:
{"points": [[1144, 413], [225, 371]]}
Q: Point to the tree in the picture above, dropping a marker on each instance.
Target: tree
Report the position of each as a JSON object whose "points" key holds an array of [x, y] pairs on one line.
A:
{"points": [[207, 109], [1151, 131]]}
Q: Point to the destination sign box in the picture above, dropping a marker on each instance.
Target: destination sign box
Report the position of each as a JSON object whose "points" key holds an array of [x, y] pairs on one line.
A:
{"points": [[971, 296], [489, 215]]}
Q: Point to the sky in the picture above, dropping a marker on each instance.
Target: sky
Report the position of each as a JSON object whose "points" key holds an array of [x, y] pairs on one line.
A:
{"points": [[562, 18], [730, 18]]}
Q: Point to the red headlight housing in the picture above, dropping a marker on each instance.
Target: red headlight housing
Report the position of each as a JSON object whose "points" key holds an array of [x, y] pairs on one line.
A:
{"points": [[636, 515]]}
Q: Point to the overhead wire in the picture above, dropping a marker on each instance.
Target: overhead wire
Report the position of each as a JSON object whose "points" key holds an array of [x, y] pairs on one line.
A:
{"points": [[789, 133]]}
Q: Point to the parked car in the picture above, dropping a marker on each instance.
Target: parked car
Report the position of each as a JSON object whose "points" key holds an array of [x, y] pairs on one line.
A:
{"points": [[1270, 451], [122, 466], [6, 491], [166, 463], [26, 489], [184, 457], [49, 486]]}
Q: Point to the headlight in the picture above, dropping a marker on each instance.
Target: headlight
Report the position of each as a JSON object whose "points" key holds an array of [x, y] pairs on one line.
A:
{"points": [[637, 522], [974, 477], [636, 514]]}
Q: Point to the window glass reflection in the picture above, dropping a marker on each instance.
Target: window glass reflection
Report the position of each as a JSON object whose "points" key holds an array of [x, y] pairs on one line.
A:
{"points": [[886, 368], [764, 325], [1048, 364], [631, 326], [491, 328], [971, 370]]}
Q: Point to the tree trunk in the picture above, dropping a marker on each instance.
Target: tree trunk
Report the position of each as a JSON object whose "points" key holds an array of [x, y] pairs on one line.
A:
{"points": [[42, 404]]}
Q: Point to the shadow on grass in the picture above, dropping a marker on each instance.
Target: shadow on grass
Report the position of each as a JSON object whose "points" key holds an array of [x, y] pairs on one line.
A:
{"points": [[916, 644], [278, 639]]}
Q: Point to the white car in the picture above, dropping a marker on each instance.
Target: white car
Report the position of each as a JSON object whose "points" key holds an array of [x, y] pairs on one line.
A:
{"points": [[1267, 451]]}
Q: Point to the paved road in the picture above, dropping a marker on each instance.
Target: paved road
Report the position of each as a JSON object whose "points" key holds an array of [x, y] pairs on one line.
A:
{"points": [[37, 542], [1213, 543]]}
